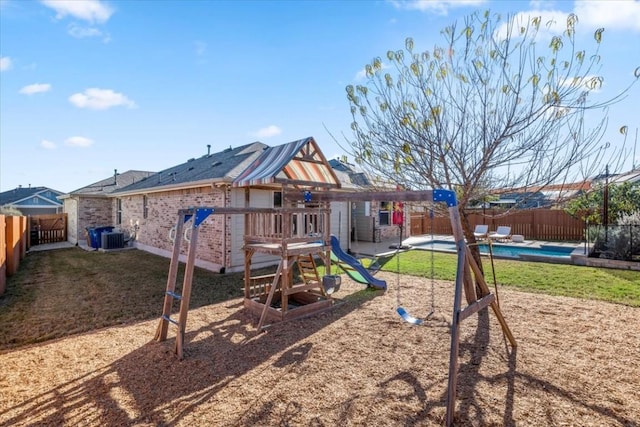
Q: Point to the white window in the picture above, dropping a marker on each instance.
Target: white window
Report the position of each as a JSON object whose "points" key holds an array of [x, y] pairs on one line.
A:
{"points": [[118, 211]]}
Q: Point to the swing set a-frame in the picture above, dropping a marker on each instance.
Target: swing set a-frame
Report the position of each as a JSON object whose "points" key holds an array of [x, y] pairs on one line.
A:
{"points": [[469, 276]]}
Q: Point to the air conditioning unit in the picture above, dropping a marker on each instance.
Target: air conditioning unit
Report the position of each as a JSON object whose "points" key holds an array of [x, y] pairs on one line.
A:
{"points": [[112, 241]]}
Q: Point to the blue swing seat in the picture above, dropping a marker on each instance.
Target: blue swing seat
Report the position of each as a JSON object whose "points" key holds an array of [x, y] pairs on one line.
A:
{"points": [[407, 317]]}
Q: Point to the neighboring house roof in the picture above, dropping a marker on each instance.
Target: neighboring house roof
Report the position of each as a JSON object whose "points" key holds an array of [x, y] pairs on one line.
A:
{"points": [[630, 177], [539, 196], [341, 165], [523, 200], [109, 185], [356, 177], [346, 183], [31, 197], [300, 163], [223, 166]]}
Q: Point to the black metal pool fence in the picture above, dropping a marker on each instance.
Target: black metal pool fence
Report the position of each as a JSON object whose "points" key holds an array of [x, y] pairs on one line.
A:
{"points": [[621, 242]]}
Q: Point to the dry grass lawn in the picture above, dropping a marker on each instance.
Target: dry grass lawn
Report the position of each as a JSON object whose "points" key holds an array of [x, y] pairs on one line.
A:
{"points": [[577, 364]]}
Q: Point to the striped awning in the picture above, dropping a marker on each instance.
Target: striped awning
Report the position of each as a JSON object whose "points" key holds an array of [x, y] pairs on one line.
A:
{"points": [[299, 163]]}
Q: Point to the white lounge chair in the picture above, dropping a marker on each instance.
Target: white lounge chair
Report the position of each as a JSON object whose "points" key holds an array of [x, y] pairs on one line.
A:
{"points": [[481, 231], [502, 233]]}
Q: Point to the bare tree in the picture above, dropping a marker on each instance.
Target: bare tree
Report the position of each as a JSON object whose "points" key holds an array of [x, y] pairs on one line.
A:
{"points": [[496, 106]]}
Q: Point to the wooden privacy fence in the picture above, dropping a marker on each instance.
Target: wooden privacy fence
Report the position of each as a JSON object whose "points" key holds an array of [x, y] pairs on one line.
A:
{"points": [[47, 229], [13, 246], [535, 224]]}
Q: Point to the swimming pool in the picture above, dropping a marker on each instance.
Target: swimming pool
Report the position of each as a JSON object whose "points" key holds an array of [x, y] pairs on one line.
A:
{"points": [[542, 252]]}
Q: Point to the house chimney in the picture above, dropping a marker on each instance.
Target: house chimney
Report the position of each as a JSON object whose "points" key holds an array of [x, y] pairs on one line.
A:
{"points": [[115, 177], [208, 149]]}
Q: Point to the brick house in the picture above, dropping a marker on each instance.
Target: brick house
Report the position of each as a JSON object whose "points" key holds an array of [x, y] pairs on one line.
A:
{"points": [[371, 221], [148, 208], [92, 206]]}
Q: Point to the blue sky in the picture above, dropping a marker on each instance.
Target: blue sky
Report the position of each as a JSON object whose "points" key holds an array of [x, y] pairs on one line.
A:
{"points": [[87, 87]]}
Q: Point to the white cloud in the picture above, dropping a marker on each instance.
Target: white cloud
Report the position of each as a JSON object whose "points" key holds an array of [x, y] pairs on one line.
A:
{"points": [[48, 145], [440, 7], [592, 14], [552, 22], [86, 10], [612, 14], [78, 141], [267, 132], [5, 63], [81, 32], [100, 99], [35, 88]]}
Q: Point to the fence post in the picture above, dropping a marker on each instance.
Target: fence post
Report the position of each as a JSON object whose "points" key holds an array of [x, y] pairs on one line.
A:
{"points": [[29, 225], [23, 236], [13, 244], [3, 255]]}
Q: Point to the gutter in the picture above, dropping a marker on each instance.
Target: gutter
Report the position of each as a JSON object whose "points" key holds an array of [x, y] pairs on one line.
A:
{"points": [[181, 186]]}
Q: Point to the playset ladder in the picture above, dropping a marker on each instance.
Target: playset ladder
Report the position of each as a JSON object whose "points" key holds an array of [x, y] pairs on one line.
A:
{"points": [[194, 218], [308, 275]]}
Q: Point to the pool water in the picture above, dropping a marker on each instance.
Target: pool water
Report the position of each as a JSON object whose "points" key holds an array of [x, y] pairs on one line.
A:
{"points": [[503, 251]]}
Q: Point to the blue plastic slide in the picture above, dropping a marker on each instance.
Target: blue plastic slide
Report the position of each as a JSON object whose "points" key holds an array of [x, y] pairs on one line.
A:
{"points": [[353, 267]]}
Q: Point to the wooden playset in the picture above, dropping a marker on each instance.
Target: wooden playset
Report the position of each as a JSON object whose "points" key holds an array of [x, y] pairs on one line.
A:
{"points": [[299, 234]]}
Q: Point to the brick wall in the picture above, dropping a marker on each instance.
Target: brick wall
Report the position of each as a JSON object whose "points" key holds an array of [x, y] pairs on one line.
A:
{"points": [[87, 211], [152, 233], [95, 212], [386, 232], [92, 212]]}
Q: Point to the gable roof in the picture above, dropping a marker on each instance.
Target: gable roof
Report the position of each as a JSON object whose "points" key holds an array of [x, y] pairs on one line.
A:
{"points": [[341, 166], [356, 177], [223, 166], [109, 185], [631, 177], [300, 163], [31, 196]]}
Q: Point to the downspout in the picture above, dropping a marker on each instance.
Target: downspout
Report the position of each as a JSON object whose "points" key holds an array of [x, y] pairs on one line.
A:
{"points": [[78, 231], [349, 221], [224, 230]]}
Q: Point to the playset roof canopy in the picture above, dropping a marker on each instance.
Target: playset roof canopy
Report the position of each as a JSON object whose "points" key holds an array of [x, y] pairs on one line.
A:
{"points": [[298, 163]]}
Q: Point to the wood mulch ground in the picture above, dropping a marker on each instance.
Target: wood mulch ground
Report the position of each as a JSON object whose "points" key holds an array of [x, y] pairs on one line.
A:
{"points": [[577, 363]]}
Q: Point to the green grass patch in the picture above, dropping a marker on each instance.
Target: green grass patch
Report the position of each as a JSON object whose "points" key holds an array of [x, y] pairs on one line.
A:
{"points": [[616, 286]]}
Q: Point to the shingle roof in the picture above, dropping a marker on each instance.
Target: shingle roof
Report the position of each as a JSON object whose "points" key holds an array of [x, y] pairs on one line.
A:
{"points": [[109, 185], [341, 166], [357, 177], [222, 166], [631, 177], [21, 193]]}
